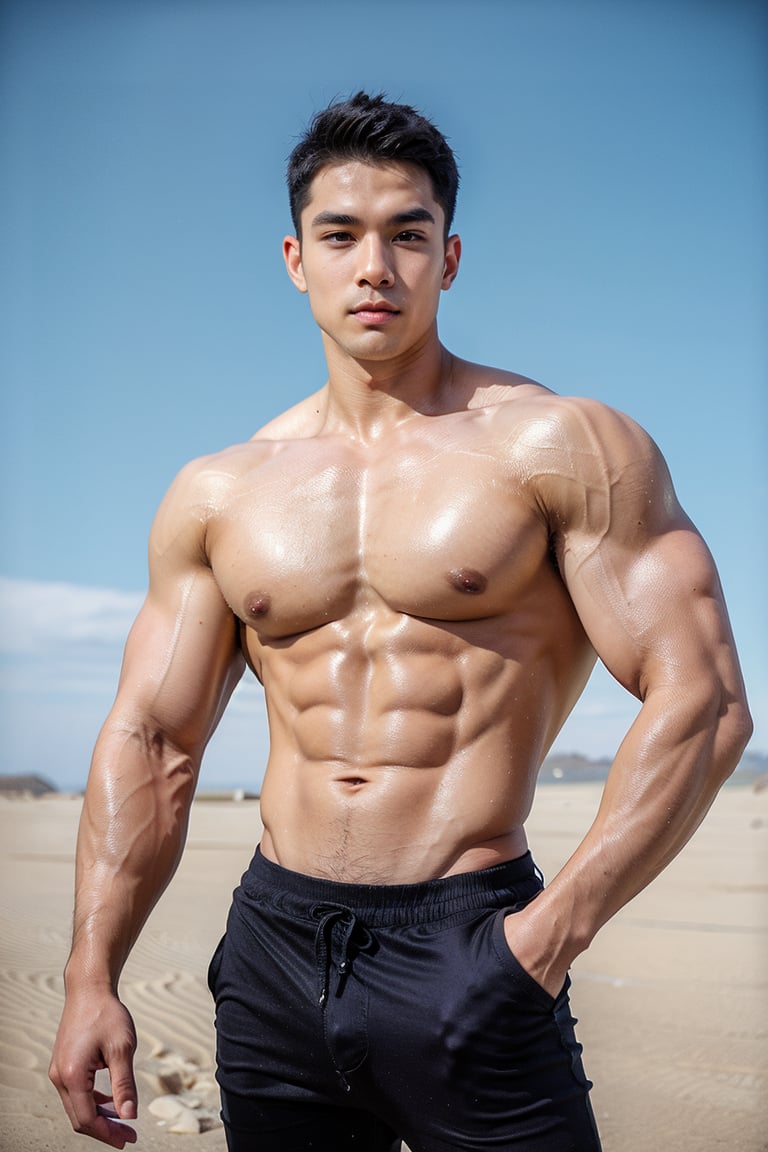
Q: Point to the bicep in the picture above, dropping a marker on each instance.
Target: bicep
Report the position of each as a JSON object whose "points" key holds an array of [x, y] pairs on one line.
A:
{"points": [[182, 661], [640, 576], [653, 608]]}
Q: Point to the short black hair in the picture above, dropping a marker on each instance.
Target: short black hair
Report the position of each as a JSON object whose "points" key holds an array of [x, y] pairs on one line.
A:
{"points": [[371, 129]]}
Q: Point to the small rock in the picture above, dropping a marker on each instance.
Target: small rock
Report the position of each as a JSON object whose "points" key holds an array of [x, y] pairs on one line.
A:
{"points": [[186, 1123], [166, 1107], [206, 1085]]}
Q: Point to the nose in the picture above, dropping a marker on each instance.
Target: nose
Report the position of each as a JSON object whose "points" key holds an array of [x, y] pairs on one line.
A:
{"points": [[374, 266]]}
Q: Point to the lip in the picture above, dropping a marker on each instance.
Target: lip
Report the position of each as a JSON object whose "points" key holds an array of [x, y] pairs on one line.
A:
{"points": [[375, 312]]}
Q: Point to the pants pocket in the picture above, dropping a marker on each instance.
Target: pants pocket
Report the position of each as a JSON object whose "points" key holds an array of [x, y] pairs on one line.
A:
{"points": [[521, 984]]}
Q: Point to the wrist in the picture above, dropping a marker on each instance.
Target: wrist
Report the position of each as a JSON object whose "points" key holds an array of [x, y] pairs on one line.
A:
{"points": [[551, 930], [89, 976]]}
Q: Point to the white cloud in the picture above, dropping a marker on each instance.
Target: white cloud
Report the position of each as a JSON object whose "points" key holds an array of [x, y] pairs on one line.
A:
{"points": [[36, 615]]}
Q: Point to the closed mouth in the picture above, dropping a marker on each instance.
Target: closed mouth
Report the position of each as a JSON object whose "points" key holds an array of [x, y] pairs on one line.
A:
{"points": [[375, 313]]}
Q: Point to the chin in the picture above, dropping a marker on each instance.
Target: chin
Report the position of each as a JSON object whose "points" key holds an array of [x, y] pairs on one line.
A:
{"points": [[374, 347]]}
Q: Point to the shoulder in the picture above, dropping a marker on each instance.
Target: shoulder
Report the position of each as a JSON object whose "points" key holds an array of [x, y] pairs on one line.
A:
{"points": [[546, 419], [593, 468], [205, 477], [202, 487], [562, 424], [583, 464], [199, 493], [550, 429], [559, 444]]}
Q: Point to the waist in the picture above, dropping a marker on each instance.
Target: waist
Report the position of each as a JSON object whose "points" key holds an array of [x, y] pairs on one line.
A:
{"points": [[389, 904], [395, 825]]}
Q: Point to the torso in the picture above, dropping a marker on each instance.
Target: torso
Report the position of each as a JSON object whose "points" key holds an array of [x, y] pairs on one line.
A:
{"points": [[402, 606]]}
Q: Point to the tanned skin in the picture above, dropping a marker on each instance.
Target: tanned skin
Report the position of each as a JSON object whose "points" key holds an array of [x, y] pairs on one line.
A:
{"points": [[420, 563]]}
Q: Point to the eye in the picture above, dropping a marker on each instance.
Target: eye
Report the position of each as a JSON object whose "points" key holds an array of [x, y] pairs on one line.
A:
{"points": [[338, 238], [409, 237]]}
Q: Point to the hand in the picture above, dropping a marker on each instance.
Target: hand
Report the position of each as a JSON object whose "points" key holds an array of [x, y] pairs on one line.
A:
{"points": [[96, 1031], [534, 950]]}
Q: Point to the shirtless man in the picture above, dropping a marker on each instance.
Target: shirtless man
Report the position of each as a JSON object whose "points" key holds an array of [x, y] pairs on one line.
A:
{"points": [[419, 562]]}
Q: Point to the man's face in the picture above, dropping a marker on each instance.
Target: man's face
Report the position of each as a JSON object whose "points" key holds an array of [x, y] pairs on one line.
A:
{"points": [[372, 258]]}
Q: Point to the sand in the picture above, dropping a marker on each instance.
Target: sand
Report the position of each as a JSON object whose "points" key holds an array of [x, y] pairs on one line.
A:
{"points": [[671, 997]]}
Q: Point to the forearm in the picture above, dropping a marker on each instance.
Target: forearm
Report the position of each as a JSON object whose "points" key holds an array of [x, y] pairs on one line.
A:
{"points": [[132, 832], [665, 776]]}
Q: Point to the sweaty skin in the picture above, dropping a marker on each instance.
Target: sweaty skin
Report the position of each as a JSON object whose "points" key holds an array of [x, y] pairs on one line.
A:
{"points": [[424, 584], [420, 563]]}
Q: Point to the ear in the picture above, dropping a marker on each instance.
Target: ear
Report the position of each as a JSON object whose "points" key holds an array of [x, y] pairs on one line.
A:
{"points": [[292, 257], [452, 259]]}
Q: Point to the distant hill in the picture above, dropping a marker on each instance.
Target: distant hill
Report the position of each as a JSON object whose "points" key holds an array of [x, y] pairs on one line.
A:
{"points": [[25, 786], [753, 769], [572, 768]]}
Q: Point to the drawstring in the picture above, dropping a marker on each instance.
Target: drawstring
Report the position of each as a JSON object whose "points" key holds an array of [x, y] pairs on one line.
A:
{"points": [[339, 937]]}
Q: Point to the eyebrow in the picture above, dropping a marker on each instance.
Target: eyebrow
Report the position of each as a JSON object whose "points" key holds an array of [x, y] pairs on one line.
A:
{"points": [[342, 219]]}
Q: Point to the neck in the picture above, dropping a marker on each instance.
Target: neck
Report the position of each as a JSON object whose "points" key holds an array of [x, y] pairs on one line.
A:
{"points": [[367, 398]]}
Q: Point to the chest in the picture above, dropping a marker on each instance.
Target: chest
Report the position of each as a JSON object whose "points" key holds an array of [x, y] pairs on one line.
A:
{"points": [[435, 530]]}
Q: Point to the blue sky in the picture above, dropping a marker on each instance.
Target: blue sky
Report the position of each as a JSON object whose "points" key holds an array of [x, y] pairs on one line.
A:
{"points": [[614, 181]]}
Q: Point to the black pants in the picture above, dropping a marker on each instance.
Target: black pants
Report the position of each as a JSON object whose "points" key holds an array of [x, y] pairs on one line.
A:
{"points": [[350, 1017]]}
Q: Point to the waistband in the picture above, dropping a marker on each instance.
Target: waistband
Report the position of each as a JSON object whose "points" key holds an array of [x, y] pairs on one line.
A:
{"points": [[397, 903]]}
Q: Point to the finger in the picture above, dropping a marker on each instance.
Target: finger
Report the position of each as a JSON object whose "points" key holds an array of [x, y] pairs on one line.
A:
{"points": [[124, 1092], [59, 1077], [117, 1127], [86, 1118], [64, 1095]]}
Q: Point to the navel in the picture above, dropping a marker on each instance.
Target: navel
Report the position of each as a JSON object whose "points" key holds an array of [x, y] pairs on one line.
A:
{"points": [[468, 580], [257, 605]]}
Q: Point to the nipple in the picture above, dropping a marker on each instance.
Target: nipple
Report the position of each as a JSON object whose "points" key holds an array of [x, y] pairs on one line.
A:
{"points": [[257, 604], [468, 580]]}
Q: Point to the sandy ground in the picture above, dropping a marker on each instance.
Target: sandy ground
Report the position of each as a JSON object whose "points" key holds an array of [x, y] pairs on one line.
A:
{"points": [[672, 997]]}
